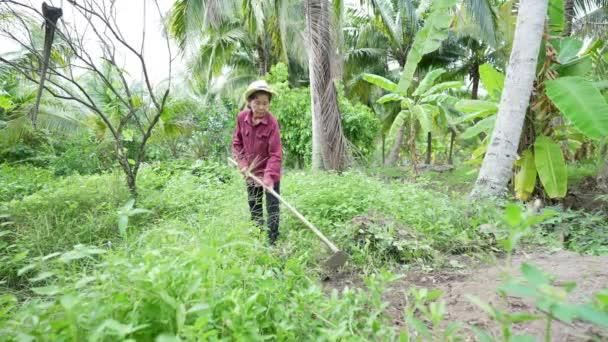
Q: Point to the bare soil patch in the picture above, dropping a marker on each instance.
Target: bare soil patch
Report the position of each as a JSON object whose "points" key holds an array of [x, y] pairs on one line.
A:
{"points": [[589, 272]]}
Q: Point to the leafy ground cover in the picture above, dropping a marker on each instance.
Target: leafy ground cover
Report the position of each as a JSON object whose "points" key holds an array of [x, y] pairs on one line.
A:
{"points": [[81, 261]]}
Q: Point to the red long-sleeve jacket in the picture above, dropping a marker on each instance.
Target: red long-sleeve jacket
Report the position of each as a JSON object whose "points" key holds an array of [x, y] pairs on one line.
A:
{"points": [[258, 144]]}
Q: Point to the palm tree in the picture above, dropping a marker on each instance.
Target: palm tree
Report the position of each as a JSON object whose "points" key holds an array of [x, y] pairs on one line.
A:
{"points": [[588, 16], [521, 72], [18, 97], [366, 50], [328, 139], [238, 37]]}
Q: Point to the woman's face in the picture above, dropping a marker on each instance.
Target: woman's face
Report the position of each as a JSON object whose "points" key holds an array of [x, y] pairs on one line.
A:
{"points": [[259, 104]]}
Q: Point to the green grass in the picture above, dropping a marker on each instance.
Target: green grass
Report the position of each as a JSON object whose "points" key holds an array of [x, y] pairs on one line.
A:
{"points": [[196, 267], [17, 181], [577, 172]]}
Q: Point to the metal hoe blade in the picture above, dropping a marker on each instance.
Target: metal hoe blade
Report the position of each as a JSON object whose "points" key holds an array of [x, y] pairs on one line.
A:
{"points": [[337, 260]]}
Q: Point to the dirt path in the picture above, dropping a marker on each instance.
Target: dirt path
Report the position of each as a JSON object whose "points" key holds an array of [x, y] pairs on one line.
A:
{"points": [[589, 272]]}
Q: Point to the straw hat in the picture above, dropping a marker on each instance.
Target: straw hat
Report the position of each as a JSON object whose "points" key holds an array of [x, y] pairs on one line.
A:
{"points": [[260, 85]]}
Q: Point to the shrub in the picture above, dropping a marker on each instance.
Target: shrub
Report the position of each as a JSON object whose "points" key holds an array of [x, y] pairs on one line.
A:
{"points": [[68, 211], [292, 110], [82, 154], [32, 147], [443, 223], [17, 181]]}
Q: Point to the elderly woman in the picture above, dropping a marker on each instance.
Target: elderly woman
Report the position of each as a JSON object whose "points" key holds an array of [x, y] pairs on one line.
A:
{"points": [[256, 145]]}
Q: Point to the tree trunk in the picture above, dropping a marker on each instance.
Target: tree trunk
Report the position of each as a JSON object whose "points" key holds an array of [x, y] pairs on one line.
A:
{"points": [[429, 145], [317, 156], [475, 80], [602, 176], [414, 129], [132, 184], [383, 148], [394, 154], [569, 14], [130, 176], [263, 58], [498, 162], [452, 138], [327, 122], [51, 16]]}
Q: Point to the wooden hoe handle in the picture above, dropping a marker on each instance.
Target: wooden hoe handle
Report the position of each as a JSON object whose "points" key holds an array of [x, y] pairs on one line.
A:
{"points": [[309, 225]]}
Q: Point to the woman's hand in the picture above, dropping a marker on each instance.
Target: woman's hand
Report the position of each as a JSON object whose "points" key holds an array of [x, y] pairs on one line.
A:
{"points": [[268, 182]]}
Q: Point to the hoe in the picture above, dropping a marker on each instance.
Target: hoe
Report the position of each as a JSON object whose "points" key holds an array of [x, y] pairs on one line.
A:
{"points": [[338, 257]]}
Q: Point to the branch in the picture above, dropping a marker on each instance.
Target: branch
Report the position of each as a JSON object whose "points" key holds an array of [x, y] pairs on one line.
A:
{"points": [[68, 96], [119, 37]]}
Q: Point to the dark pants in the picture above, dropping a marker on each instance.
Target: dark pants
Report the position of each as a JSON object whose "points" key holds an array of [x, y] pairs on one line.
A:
{"points": [[272, 209]]}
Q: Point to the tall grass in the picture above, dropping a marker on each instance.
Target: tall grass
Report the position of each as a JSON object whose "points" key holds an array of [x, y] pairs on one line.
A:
{"points": [[195, 268]]}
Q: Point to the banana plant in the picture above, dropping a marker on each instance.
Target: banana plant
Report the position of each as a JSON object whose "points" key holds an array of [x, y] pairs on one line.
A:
{"points": [[567, 96], [423, 109]]}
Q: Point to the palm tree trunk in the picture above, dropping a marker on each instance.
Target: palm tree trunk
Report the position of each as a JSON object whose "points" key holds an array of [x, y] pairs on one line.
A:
{"points": [[315, 109], [263, 58], [394, 154], [327, 122], [475, 80], [429, 146], [569, 14], [497, 166]]}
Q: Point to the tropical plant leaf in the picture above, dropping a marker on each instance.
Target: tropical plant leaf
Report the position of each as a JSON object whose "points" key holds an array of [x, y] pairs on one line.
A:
{"points": [[493, 80], [424, 117], [601, 85], [476, 106], [473, 116], [443, 86], [590, 314], [399, 120], [526, 177], [482, 335], [440, 99], [580, 102], [427, 40], [557, 18], [428, 81], [6, 103], [576, 67], [381, 82], [568, 48], [484, 17], [534, 275], [392, 97], [551, 167], [486, 126]]}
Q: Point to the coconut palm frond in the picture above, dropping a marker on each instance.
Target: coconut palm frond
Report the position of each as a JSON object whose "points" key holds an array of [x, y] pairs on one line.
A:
{"points": [[593, 23], [482, 14], [584, 7]]}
